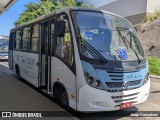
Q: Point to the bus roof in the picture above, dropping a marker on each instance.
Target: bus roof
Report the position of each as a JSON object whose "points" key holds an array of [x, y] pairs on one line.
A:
{"points": [[57, 12]]}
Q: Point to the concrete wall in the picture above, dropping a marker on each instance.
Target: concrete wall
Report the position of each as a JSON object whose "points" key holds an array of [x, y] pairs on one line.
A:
{"points": [[152, 5], [126, 7]]}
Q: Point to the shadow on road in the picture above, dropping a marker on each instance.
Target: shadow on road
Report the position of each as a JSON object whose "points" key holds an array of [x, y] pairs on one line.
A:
{"points": [[1, 60], [103, 115]]}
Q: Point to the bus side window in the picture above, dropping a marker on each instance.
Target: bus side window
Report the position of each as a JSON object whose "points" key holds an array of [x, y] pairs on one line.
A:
{"points": [[17, 42], [35, 38], [26, 38], [64, 46]]}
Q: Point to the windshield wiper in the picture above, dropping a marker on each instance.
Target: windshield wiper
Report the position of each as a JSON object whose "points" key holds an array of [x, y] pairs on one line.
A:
{"points": [[139, 60], [124, 40], [92, 50]]}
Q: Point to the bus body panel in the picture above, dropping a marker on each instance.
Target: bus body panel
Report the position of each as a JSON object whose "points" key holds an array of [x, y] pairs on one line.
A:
{"points": [[94, 100], [79, 80], [61, 73], [28, 66], [110, 99]]}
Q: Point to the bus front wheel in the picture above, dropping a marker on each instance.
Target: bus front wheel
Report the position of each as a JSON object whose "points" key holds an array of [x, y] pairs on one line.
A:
{"points": [[64, 98], [60, 95]]}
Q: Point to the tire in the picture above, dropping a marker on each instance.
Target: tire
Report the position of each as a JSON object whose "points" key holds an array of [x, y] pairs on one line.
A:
{"points": [[61, 97], [18, 73], [64, 99]]}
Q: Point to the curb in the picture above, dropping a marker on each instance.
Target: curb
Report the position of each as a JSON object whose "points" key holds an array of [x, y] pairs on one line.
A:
{"points": [[154, 76]]}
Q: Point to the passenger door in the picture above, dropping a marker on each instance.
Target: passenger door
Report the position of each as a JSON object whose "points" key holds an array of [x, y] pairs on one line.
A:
{"points": [[44, 82]]}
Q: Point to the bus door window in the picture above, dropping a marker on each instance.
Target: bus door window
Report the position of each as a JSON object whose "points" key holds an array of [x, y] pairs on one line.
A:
{"points": [[45, 49], [35, 38], [26, 38], [44, 56], [64, 47], [45, 39], [52, 36], [17, 42]]}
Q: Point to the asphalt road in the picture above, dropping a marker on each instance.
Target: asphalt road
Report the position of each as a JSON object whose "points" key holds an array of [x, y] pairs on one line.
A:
{"points": [[153, 103]]}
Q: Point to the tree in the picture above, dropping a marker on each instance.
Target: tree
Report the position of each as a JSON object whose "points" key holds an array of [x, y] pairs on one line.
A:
{"points": [[34, 10]]}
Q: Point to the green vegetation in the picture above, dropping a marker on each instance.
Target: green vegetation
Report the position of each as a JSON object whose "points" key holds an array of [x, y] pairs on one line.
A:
{"points": [[155, 16], [34, 10], [154, 65]]}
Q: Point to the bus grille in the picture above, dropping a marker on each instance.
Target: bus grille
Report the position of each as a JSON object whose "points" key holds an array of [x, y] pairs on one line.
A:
{"points": [[121, 84], [119, 90], [118, 75], [125, 98]]}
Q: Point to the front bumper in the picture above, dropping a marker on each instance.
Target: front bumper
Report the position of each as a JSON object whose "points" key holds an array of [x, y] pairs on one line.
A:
{"points": [[94, 100]]}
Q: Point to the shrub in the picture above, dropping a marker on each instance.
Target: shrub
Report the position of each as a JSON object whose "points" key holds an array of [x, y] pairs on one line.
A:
{"points": [[153, 17], [154, 65]]}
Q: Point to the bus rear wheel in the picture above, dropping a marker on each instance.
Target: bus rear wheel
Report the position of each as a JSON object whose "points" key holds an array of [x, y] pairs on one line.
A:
{"points": [[18, 73]]}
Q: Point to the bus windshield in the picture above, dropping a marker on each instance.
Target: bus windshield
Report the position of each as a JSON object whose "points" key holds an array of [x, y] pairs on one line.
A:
{"points": [[110, 35]]}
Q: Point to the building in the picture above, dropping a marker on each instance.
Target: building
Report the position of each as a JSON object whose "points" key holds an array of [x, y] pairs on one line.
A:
{"points": [[5, 5], [134, 10]]}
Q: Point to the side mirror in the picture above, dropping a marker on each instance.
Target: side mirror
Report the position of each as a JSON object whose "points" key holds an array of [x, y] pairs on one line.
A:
{"points": [[60, 26]]}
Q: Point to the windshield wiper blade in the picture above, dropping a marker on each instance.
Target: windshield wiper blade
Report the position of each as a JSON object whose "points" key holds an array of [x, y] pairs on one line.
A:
{"points": [[124, 40], [139, 60], [92, 50], [122, 37]]}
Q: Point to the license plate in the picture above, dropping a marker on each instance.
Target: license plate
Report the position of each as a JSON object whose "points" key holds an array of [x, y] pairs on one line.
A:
{"points": [[126, 105]]}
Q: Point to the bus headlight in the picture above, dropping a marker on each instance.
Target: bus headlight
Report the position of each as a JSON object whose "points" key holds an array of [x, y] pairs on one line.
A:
{"points": [[146, 79], [93, 82], [89, 80]]}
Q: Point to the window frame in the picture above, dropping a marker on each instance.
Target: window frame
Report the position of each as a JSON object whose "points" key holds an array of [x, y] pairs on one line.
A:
{"points": [[20, 41], [21, 28], [55, 41], [11, 40], [29, 38], [31, 28]]}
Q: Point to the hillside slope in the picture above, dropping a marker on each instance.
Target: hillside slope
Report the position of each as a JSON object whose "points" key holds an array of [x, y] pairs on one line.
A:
{"points": [[149, 34]]}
